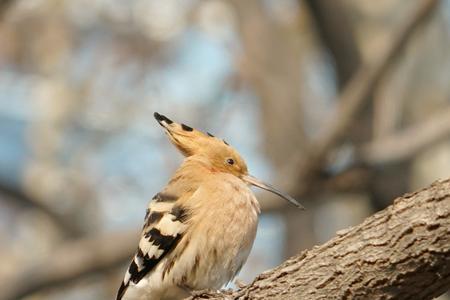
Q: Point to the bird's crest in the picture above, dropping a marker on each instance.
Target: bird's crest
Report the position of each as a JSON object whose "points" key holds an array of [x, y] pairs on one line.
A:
{"points": [[189, 141], [216, 153]]}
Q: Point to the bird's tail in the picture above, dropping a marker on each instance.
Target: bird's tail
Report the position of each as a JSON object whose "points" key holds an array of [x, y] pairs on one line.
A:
{"points": [[121, 291]]}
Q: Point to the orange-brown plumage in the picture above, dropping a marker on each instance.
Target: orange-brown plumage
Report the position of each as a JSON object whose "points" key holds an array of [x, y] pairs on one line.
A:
{"points": [[199, 229]]}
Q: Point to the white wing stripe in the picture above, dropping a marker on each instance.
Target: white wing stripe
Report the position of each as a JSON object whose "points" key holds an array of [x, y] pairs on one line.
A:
{"points": [[149, 249], [169, 226]]}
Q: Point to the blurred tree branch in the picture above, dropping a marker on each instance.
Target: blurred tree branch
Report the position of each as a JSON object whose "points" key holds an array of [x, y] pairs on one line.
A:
{"points": [[402, 252], [396, 147], [4, 5], [336, 33], [310, 157], [408, 142], [17, 197], [270, 63], [72, 261], [353, 98]]}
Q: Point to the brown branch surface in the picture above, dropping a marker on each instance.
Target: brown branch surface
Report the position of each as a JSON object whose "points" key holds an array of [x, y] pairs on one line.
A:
{"points": [[402, 252]]}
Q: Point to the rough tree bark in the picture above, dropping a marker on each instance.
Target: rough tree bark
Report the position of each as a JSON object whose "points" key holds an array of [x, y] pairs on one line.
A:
{"points": [[401, 252]]}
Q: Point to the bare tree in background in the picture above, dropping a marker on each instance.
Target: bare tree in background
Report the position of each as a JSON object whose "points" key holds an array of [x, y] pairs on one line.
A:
{"points": [[386, 137]]}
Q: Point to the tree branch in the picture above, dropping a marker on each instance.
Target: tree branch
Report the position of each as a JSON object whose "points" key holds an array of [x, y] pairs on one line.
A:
{"points": [[354, 96], [4, 5], [102, 253], [18, 197], [406, 143], [337, 35], [271, 52], [402, 252]]}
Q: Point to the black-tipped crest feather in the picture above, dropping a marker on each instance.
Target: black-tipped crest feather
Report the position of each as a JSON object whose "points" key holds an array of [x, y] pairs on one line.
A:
{"points": [[186, 128], [162, 118]]}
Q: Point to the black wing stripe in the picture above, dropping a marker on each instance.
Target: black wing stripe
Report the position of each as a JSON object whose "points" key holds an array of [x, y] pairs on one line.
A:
{"points": [[143, 263], [180, 213], [153, 218], [122, 289], [164, 242], [148, 264], [164, 197]]}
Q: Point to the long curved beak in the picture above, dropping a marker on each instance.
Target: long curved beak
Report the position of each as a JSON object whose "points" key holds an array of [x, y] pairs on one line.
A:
{"points": [[256, 182]]}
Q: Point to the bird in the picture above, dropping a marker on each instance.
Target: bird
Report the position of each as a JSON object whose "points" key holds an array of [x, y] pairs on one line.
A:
{"points": [[199, 229]]}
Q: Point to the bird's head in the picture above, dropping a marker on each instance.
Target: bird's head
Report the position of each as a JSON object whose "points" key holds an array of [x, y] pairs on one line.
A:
{"points": [[220, 156]]}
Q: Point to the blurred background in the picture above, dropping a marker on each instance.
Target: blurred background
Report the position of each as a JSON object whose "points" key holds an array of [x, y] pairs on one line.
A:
{"points": [[343, 104]]}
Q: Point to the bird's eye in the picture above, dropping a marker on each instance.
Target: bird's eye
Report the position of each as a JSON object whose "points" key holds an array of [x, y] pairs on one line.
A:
{"points": [[230, 161]]}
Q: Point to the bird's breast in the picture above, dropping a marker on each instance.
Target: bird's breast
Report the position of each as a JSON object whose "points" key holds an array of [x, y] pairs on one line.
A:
{"points": [[223, 233]]}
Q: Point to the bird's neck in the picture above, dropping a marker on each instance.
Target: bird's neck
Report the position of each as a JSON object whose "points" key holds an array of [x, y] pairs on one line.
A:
{"points": [[188, 176], [198, 165]]}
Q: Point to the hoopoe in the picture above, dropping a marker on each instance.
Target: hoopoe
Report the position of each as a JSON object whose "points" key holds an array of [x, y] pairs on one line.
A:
{"points": [[199, 229]]}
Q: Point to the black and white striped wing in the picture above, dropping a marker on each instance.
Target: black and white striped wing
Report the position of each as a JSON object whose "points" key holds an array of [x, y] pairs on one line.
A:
{"points": [[163, 228]]}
